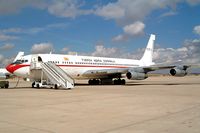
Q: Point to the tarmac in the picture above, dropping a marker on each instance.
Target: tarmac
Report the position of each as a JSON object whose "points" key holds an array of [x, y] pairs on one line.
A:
{"points": [[155, 105]]}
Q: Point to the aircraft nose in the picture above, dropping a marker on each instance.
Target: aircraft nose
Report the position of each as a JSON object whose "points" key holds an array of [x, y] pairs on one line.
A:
{"points": [[10, 68]]}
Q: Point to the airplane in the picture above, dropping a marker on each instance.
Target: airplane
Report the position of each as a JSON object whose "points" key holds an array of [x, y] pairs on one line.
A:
{"points": [[97, 70], [4, 74]]}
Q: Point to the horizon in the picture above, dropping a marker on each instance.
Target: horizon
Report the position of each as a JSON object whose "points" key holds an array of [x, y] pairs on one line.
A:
{"points": [[116, 28]]}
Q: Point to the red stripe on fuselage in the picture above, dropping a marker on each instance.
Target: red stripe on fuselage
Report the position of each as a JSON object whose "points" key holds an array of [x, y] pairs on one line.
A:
{"points": [[92, 66], [13, 67]]}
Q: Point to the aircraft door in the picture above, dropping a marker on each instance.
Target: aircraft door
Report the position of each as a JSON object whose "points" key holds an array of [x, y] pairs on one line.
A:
{"points": [[36, 61]]}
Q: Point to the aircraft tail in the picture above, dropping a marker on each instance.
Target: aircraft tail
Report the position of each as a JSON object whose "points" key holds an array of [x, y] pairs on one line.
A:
{"points": [[146, 60]]}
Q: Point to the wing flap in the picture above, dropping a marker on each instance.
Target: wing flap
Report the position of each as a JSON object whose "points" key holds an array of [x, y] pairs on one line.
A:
{"points": [[105, 72], [157, 67]]}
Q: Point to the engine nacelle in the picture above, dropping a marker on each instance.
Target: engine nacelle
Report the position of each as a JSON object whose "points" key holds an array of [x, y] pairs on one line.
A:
{"points": [[132, 75], [178, 72]]}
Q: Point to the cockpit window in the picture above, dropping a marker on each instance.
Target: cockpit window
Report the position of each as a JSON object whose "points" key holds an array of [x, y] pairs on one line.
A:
{"points": [[17, 62], [20, 61]]}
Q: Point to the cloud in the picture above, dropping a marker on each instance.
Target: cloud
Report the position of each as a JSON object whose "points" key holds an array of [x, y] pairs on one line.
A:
{"points": [[56, 26], [126, 11], [130, 11], [4, 37], [110, 11], [16, 5], [5, 61], [7, 47], [132, 30], [32, 30], [197, 29], [61, 8], [11, 30], [64, 50], [41, 48], [189, 53], [120, 38], [170, 13], [1, 58], [100, 50], [67, 8], [193, 2], [36, 30]]}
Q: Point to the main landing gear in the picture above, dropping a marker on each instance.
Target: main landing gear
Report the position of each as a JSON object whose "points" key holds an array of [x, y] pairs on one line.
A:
{"points": [[119, 82], [94, 82], [107, 82]]}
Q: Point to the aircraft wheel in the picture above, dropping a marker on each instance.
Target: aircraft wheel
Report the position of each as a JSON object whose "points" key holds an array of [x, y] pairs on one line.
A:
{"points": [[56, 86], [90, 82], [94, 82], [97, 82], [38, 86], [117, 82], [33, 85], [7, 85], [123, 82]]}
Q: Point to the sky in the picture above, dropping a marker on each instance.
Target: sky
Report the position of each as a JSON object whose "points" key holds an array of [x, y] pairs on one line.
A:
{"points": [[107, 28]]}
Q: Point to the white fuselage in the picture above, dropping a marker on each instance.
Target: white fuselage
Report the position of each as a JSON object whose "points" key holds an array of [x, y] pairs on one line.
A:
{"points": [[73, 65]]}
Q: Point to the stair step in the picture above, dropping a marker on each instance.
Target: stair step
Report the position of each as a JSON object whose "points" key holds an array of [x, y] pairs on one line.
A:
{"points": [[57, 75]]}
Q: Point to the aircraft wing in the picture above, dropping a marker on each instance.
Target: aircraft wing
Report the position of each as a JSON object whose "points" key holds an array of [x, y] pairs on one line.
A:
{"points": [[115, 73], [170, 65], [157, 67], [164, 66], [106, 73]]}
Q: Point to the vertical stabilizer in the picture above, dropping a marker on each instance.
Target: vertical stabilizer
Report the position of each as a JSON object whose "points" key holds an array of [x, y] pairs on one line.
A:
{"points": [[146, 60]]}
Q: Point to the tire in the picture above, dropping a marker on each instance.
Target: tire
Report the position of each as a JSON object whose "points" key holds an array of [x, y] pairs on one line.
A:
{"points": [[123, 82], [38, 86], [33, 85], [115, 82], [6, 85], [56, 86], [95, 82], [90, 82]]}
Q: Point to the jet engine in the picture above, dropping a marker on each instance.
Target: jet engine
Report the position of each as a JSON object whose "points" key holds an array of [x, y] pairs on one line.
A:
{"points": [[132, 75], [178, 71]]}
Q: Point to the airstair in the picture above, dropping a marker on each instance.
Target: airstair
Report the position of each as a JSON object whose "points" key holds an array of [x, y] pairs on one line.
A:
{"points": [[57, 76]]}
